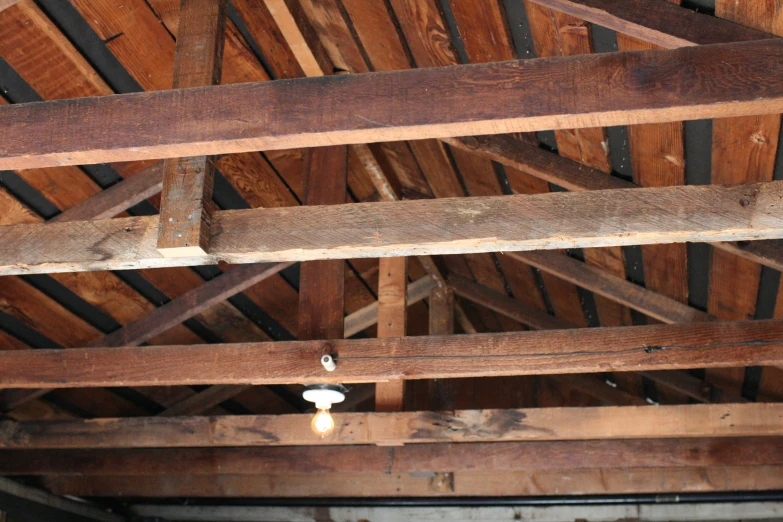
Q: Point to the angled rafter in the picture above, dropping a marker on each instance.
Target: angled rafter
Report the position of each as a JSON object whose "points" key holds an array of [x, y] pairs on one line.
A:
{"points": [[422, 103], [661, 23], [639, 348], [629, 422], [448, 226]]}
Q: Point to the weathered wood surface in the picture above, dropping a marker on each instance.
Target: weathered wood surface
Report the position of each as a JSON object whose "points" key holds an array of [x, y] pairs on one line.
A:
{"points": [[528, 315], [186, 199], [413, 458], [118, 198], [575, 177], [607, 89], [638, 348], [653, 304], [542, 424], [441, 226], [462, 484], [392, 322], [665, 24]]}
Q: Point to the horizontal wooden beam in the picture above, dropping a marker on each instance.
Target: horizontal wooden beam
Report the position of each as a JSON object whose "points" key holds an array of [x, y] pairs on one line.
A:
{"points": [[440, 226], [456, 485], [664, 24], [549, 93], [536, 424], [714, 511], [575, 176], [413, 458], [635, 348]]}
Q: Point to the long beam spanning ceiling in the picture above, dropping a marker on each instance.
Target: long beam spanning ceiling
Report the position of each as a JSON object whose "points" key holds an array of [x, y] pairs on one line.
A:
{"points": [[635, 348], [397, 428], [551, 93], [440, 226]]}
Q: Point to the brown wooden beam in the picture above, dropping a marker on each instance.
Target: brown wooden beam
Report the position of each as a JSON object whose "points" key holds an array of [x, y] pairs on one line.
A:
{"points": [[592, 90], [440, 226], [637, 348], [599, 281], [536, 424], [392, 322], [574, 176], [186, 199], [413, 458], [665, 24], [461, 484]]}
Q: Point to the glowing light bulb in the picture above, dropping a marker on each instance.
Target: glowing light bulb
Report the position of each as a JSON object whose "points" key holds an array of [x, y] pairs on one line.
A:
{"points": [[323, 423]]}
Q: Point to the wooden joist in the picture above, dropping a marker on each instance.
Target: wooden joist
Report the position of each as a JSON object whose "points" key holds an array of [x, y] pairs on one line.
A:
{"points": [[637, 348], [186, 200], [537, 424], [552, 93], [665, 24], [392, 322], [574, 176], [412, 458], [440, 226]]}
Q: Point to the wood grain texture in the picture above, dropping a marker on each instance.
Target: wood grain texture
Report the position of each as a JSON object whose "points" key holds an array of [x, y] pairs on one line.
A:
{"points": [[186, 199], [392, 322], [5, 4], [440, 226], [322, 283], [466, 484], [570, 175], [661, 23], [637, 297], [413, 458], [501, 303], [613, 89], [440, 392], [659, 347], [537, 424], [743, 149]]}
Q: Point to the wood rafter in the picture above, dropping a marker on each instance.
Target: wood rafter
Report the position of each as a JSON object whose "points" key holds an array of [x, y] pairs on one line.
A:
{"points": [[396, 428], [401, 105], [637, 348], [440, 226]]}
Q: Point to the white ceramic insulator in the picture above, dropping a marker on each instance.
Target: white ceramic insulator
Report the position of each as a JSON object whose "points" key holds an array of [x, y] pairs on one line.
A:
{"points": [[328, 363]]}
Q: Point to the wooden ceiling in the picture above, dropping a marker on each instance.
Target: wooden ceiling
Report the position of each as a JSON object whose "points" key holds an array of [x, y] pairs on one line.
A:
{"points": [[616, 257]]}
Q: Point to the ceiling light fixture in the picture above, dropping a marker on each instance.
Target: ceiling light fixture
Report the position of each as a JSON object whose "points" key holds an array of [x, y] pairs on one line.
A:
{"points": [[324, 395]]}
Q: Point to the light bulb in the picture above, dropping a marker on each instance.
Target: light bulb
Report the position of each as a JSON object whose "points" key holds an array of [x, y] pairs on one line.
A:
{"points": [[323, 423]]}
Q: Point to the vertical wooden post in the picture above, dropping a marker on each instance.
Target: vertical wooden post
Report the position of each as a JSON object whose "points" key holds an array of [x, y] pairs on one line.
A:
{"points": [[186, 199], [392, 305], [322, 283], [441, 392]]}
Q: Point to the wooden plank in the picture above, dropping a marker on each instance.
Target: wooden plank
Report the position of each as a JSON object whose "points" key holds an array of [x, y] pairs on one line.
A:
{"points": [[634, 296], [413, 458], [24, 502], [118, 198], [661, 23], [640, 348], [186, 199], [599, 389], [5, 4], [440, 226], [743, 149], [203, 400], [525, 314], [717, 511], [468, 426], [465, 484], [573, 176], [694, 387], [368, 315], [321, 288], [440, 392], [392, 322], [400, 105]]}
